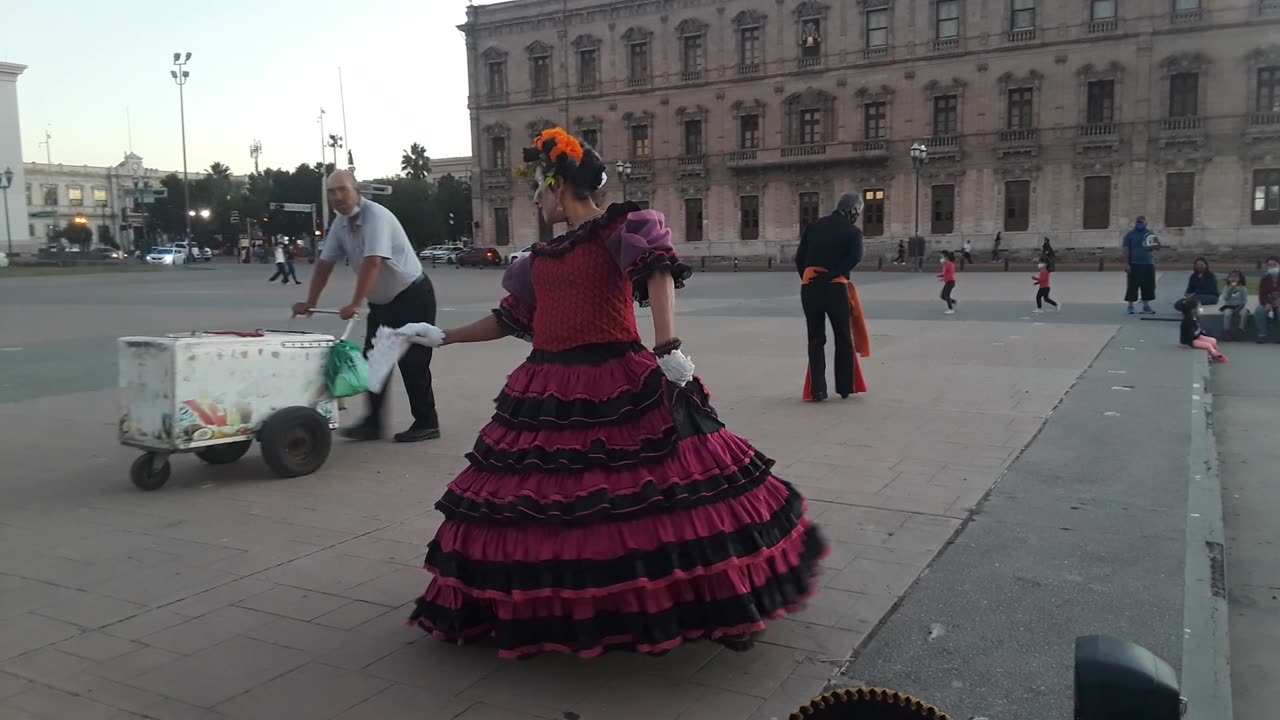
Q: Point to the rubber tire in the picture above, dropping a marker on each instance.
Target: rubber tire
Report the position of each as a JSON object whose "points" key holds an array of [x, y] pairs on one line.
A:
{"points": [[225, 453], [291, 425], [145, 475]]}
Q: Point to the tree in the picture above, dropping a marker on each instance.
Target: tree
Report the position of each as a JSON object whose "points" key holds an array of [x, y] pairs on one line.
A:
{"points": [[218, 170], [415, 164], [107, 239], [77, 234]]}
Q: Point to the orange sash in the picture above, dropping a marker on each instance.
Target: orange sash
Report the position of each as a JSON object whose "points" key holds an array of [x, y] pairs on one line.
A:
{"points": [[858, 328]]}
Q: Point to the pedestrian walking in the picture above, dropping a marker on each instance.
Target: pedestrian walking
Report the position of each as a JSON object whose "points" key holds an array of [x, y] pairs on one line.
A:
{"points": [[1042, 293], [995, 249], [390, 279], [948, 277], [288, 264], [1049, 256], [281, 272], [966, 251], [1140, 266], [829, 249], [901, 258]]}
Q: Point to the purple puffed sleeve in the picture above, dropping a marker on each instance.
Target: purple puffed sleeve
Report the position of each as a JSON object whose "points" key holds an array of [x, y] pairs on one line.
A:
{"points": [[642, 246], [515, 312]]}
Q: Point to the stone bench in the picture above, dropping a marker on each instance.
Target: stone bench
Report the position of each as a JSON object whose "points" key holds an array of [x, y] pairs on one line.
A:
{"points": [[1213, 323]]}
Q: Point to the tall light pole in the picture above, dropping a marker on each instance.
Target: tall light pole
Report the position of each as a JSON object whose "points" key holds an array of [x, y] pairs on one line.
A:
{"points": [[919, 156], [335, 142], [6, 182], [255, 151], [624, 174], [180, 77]]}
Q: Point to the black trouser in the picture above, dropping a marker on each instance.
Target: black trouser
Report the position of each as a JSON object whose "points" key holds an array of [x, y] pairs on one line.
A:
{"points": [[967, 257], [822, 301], [947, 287], [281, 273], [291, 273], [1141, 277], [901, 258], [1042, 296], [416, 303]]}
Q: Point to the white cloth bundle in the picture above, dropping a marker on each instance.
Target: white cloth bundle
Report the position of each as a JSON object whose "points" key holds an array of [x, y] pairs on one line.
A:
{"points": [[390, 344], [677, 366]]}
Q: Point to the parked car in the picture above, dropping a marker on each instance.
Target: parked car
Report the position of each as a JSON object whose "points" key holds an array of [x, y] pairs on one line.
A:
{"points": [[206, 255], [167, 256], [443, 253], [4, 260], [519, 254], [427, 253], [104, 253], [478, 256]]}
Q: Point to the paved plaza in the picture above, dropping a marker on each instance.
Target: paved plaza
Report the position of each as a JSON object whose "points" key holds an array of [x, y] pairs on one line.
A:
{"points": [[233, 594]]}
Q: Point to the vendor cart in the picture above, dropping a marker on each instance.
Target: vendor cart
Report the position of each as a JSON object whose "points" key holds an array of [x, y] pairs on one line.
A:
{"points": [[213, 393]]}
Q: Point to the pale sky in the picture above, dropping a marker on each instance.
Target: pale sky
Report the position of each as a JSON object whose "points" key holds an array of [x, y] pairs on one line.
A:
{"points": [[260, 69]]}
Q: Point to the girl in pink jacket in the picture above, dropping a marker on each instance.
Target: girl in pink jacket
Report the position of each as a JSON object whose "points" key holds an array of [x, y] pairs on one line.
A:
{"points": [[1042, 295], [948, 278]]}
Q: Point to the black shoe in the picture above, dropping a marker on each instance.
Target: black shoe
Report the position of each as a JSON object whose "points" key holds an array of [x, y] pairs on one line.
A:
{"points": [[845, 396], [363, 432], [819, 396], [417, 434]]}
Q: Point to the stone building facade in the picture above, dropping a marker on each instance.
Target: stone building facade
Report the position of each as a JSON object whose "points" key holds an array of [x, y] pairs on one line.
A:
{"points": [[742, 119]]}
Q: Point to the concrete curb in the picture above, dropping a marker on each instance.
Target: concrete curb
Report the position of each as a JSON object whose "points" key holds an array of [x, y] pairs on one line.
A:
{"points": [[1206, 656]]}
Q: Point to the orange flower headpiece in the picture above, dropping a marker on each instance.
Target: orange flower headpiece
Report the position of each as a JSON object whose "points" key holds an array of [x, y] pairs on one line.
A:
{"points": [[554, 152]]}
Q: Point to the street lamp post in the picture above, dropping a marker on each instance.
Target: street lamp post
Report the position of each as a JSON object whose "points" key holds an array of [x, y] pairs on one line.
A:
{"points": [[624, 174], [141, 187], [919, 156], [6, 182], [180, 77]]}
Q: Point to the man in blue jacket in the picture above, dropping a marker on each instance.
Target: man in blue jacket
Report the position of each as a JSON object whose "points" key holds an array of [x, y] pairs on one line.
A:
{"points": [[1141, 267]]}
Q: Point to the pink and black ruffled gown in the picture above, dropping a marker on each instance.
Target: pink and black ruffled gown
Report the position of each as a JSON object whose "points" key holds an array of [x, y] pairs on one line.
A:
{"points": [[603, 506]]}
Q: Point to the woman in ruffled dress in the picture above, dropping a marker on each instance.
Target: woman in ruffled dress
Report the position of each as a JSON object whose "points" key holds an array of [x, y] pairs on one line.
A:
{"points": [[605, 506]]}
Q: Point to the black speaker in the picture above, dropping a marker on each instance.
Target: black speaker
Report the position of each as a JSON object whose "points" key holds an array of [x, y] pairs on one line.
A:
{"points": [[1118, 680]]}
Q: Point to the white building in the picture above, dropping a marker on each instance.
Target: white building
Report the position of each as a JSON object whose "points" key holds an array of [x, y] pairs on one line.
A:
{"points": [[459, 167], [14, 213], [106, 197]]}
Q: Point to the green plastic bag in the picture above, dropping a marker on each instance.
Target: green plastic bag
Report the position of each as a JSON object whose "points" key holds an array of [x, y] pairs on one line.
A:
{"points": [[346, 373]]}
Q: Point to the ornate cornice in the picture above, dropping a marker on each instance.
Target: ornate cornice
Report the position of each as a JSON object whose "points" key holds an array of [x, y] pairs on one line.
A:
{"points": [[691, 26], [749, 18]]}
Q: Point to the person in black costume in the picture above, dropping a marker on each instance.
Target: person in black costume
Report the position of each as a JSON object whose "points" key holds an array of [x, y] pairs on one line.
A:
{"points": [[829, 249]]}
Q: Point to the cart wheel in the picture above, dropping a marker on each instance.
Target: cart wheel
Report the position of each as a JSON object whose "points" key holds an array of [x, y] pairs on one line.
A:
{"points": [[150, 471], [295, 441], [224, 454]]}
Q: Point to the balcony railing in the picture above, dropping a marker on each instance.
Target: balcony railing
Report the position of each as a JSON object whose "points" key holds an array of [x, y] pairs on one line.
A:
{"points": [[691, 75], [943, 146], [876, 52], [691, 160], [752, 68], [496, 177], [496, 96], [1096, 27], [946, 44], [642, 167], [588, 86], [541, 93], [738, 157], [1019, 136], [810, 62], [638, 82], [871, 150], [1100, 129], [1186, 17], [1263, 119], [1022, 35], [1186, 123], [807, 150]]}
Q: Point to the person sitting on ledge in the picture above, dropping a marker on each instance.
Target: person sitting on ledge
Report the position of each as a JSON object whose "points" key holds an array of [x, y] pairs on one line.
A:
{"points": [[1202, 283]]}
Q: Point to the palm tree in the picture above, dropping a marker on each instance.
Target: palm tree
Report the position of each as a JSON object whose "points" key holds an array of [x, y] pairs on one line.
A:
{"points": [[415, 164], [219, 170]]}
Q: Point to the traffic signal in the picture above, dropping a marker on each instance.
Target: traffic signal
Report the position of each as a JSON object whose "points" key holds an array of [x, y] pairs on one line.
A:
{"points": [[319, 227]]}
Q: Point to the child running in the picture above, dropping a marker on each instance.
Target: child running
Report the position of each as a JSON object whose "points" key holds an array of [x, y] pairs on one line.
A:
{"points": [[948, 278], [1192, 335], [1042, 295]]}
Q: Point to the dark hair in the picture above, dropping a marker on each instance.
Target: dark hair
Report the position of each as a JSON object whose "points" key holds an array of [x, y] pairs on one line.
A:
{"points": [[1274, 259], [949, 255], [1236, 274], [1200, 260], [583, 176], [1190, 304]]}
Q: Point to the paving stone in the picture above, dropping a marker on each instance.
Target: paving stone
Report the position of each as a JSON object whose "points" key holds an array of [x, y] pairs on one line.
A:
{"points": [[47, 666], [215, 675], [208, 630], [757, 673], [547, 685], [167, 709], [299, 635], [368, 643], [875, 577], [822, 641], [715, 704], [375, 548], [639, 697], [145, 624], [45, 703], [294, 603], [12, 685], [23, 633], [794, 691], [160, 586], [447, 669], [313, 691], [392, 589], [485, 711], [352, 614], [22, 595], [680, 664], [91, 611], [97, 646], [220, 597], [130, 665], [401, 702], [328, 571]]}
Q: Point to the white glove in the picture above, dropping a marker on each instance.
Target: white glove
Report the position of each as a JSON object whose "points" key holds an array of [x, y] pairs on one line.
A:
{"points": [[423, 334], [677, 367], [388, 347]]}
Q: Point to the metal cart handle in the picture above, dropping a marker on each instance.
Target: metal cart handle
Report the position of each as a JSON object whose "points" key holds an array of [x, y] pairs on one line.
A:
{"points": [[350, 322]]}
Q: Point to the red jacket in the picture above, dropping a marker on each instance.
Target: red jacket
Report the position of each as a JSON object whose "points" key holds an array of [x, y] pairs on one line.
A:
{"points": [[1269, 290], [1043, 279], [948, 272]]}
